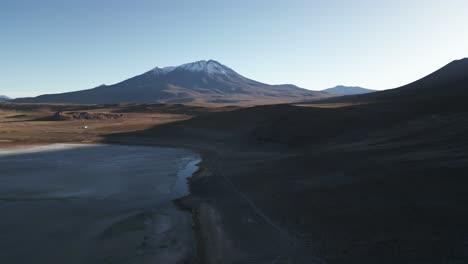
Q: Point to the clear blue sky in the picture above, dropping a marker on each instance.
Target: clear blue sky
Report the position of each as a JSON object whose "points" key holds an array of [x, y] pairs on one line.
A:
{"points": [[51, 46]]}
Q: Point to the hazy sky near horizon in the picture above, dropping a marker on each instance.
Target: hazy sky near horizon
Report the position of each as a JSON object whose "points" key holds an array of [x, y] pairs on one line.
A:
{"points": [[52, 46]]}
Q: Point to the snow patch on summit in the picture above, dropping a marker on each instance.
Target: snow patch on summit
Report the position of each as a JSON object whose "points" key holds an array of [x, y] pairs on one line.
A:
{"points": [[164, 70], [211, 67]]}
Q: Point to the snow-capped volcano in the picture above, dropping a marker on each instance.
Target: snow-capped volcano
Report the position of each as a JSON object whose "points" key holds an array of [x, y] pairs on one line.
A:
{"points": [[200, 81], [210, 67]]}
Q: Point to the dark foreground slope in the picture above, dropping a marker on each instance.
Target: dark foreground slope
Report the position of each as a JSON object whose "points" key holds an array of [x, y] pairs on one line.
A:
{"points": [[449, 81], [383, 182]]}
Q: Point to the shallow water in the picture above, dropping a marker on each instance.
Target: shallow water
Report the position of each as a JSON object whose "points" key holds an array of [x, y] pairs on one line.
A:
{"points": [[67, 203]]}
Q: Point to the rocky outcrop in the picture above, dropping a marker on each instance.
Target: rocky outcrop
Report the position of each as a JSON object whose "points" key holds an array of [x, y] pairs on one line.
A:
{"points": [[61, 116]]}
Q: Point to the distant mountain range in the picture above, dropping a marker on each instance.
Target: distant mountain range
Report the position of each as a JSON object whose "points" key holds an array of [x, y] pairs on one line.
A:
{"points": [[201, 81], [4, 98], [347, 90]]}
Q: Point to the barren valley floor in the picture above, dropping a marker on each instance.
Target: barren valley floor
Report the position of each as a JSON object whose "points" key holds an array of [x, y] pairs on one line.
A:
{"points": [[316, 183]]}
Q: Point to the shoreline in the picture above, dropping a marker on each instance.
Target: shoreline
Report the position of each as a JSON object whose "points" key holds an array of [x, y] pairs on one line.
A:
{"points": [[209, 247], [214, 245], [214, 241], [189, 202], [183, 203]]}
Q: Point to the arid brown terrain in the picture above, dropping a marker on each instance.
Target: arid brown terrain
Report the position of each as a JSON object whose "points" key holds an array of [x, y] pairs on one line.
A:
{"points": [[44, 123]]}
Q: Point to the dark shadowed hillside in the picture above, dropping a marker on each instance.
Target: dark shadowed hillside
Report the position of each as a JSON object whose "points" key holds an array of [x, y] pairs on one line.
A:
{"points": [[379, 182], [449, 81]]}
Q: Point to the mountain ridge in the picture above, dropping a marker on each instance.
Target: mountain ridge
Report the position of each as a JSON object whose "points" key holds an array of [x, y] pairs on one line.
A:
{"points": [[348, 90], [199, 82], [4, 98]]}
